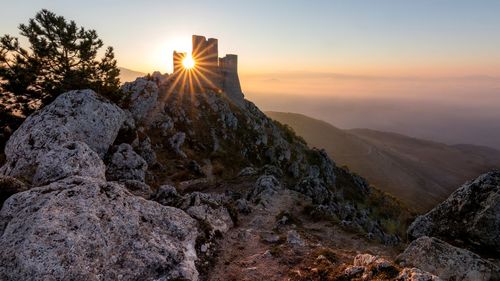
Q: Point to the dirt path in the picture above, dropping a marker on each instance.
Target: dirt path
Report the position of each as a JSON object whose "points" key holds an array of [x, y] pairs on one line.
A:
{"points": [[261, 248]]}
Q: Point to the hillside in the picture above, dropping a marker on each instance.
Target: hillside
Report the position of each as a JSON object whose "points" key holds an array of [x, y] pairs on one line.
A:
{"points": [[421, 173], [127, 75]]}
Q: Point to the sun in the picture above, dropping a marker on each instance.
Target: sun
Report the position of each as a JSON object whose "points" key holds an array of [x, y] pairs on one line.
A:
{"points": [[188, 62]]}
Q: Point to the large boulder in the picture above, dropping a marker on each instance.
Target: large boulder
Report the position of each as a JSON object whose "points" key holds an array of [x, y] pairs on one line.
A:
{"points": [[73, 116], [73, 158], [470, 216], [142, 95], [446, 261], [125, 164], [88, 229]]}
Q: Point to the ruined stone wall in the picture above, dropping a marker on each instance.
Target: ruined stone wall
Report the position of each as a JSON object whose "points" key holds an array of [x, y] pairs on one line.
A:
{"points": [[206, 55], [210, 72], [231, 82], [178, 57]]}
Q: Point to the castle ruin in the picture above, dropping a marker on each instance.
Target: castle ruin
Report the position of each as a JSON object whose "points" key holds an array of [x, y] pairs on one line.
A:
{"points": [[210, 72]]}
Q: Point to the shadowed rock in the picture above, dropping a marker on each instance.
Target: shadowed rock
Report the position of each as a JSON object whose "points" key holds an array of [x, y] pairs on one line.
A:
{"points": [[125, 164], [470, 216], [446, 261]]}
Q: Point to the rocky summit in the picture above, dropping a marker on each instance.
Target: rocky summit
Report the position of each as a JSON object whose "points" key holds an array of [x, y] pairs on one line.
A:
{"points": [[169, 185]]}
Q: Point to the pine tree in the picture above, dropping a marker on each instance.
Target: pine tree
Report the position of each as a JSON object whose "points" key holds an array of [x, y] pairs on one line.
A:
{"points": [[61, 57]]}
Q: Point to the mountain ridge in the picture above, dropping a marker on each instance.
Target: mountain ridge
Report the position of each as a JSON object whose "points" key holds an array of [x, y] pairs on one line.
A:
{"points": [[411, 169]]}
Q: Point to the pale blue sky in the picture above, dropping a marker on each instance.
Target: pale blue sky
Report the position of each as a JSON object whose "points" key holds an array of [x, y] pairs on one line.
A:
{"points": [[363, 37]]}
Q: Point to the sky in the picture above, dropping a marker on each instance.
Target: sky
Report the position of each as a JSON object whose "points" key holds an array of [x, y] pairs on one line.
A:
{"points": [[426, 68], [386, 37]]}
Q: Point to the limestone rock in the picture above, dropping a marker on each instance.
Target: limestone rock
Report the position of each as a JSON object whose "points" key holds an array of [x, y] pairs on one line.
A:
{"points": [[471, 214], [143, 95], [88, 229], [70, 159], [167, 195], [242, 206], [138, 188], [10, 186], [446, 261], [73, 116], [293, 238], [208, 208], [125, 164], [265, 187], [248, 171], [176, 142], [144, 148]]}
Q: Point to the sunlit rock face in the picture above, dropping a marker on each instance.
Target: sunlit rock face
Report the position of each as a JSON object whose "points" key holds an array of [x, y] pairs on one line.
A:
{"points": [[142, 96], [70, 159], [74, 116], [88, 229]]}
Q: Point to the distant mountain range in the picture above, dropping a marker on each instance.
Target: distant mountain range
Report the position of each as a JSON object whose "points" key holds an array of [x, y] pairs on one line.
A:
{"points": [[420, 173], [128, 75]]}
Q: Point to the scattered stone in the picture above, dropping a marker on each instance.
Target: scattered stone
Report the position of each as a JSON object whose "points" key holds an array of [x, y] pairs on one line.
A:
{"points": [[293, 238], [446, 261], [248, 171], [167, 195], [125, 164], [143, 147], [176, 142], [138, 188], [270, 237], [209, 209], [243, 206]]}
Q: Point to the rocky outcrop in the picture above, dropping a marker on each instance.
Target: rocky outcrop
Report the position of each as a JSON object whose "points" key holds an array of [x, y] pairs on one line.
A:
{"points": [[73, 116], [70, 159], [176, 142], [446, 261], [142, 145], [265, 187], [138, 188], [125, 164], [469, 217], [89, 229], [211, 210], [141, 97], [204, 207]]}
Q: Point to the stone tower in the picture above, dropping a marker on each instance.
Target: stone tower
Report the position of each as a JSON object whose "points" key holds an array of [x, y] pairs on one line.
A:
{"points": [[210, 72]]}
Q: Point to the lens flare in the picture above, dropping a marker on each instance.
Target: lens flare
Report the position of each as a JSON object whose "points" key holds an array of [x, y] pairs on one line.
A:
{"points": [[188, 62]]}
